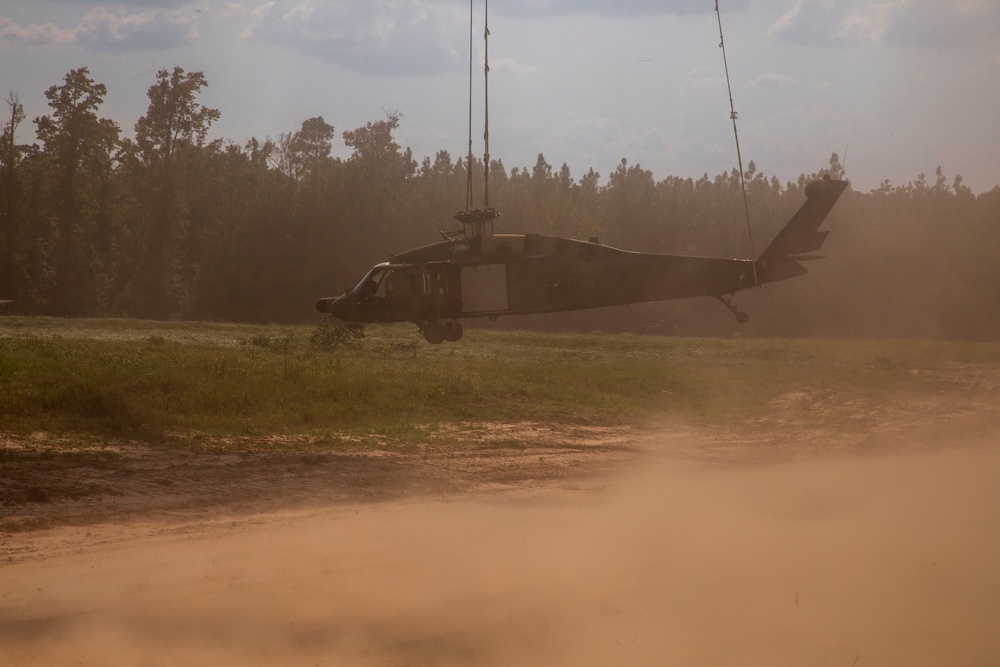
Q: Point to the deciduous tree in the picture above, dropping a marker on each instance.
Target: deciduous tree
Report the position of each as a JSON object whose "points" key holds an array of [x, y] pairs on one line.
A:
{"points": [[78, 147], [167, 140]]}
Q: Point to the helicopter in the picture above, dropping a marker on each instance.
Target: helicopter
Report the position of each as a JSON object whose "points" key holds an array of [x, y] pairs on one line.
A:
{"points": [[478, 273], [474, 272]]}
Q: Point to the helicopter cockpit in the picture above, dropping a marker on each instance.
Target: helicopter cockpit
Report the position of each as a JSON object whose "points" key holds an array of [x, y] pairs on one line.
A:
{"points": [[374, 282]]}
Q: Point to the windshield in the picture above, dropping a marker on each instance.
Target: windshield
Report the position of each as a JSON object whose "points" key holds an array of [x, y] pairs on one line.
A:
{"points": [[370, 284]]}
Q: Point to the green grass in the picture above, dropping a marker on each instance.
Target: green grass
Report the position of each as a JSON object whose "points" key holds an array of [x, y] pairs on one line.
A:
{"points": [[156, 380]]}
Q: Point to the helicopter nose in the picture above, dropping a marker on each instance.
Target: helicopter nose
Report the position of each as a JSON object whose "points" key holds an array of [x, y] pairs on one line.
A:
{"points": [[325, 305], [342, 307]]}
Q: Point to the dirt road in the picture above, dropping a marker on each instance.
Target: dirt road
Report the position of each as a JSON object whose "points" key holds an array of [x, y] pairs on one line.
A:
{"points": [[798, 539]]}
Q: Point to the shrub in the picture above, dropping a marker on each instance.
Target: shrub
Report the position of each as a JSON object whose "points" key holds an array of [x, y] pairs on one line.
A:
{"points": [[331, 334]]}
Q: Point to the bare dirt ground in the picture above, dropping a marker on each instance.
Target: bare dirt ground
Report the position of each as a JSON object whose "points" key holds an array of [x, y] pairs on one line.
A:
{"points": [[825, 531]]}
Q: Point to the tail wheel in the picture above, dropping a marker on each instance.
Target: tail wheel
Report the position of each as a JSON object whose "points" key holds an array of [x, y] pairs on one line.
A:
{"points": [[741, 317], [453, 332]]}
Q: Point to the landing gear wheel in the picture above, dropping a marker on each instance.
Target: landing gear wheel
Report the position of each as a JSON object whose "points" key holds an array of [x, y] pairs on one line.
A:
{"points": [[741, 318], [453, 332], [434, 333]]}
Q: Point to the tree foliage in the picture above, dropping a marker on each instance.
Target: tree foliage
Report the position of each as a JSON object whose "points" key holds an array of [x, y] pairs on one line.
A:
{"points": [[76, 160], [171, 224], [172, 165], [174, 119]]}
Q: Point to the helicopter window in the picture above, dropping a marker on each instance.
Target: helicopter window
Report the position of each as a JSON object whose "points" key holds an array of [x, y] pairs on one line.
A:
{"points": [[384, 288], [373, 284], [440, 283]]}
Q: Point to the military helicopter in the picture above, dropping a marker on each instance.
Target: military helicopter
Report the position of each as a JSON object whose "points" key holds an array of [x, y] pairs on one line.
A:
{"points": [[478, 273], [475, 272]]}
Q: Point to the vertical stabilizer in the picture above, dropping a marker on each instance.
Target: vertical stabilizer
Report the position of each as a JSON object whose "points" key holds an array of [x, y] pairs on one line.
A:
{"points": [[801, 236]]}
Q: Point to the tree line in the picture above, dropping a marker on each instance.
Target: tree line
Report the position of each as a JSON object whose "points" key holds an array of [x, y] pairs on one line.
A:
{"points": [[169, 224]]}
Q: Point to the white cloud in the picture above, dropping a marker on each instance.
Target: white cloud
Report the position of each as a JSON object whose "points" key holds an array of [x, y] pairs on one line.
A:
{"points": [[509, 65], [813, 23], [156, 3], [613, 9], [141, 3], [942, 25], [382, 38], [705, 78], [44, 34], [895, 22], [871, 23], [823, 86], [102, 30], [232, 10], [417, 37], [771, 80]]}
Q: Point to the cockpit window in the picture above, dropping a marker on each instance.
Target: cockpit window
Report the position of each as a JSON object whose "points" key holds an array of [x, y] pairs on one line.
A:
{"points": [[373, 284]]}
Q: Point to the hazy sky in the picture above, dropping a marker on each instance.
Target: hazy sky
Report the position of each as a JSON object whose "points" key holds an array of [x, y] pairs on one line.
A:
{"points": [[907, 84]]}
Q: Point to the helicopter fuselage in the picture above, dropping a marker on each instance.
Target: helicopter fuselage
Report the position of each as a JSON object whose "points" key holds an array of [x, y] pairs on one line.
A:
{"points": [[490, 275]]}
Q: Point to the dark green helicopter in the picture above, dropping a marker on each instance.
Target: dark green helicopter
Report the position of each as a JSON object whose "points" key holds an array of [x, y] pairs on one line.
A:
{"points": [[475, 272]]}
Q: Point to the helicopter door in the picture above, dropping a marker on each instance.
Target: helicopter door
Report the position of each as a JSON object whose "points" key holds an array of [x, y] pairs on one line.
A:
{"points": [[408, 288], [484, 288]]}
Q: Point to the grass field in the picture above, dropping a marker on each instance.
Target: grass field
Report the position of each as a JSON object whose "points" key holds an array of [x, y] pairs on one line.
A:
{"points": [[165, 380]]}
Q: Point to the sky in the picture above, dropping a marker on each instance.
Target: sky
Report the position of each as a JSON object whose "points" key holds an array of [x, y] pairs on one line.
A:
{"points": [[897, 88]]}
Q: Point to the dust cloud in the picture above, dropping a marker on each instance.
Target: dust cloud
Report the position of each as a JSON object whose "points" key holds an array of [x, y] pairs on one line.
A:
{"points": [[892, 560]]}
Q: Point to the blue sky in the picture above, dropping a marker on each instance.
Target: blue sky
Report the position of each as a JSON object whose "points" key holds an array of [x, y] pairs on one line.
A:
{"points": [[908, 85]]}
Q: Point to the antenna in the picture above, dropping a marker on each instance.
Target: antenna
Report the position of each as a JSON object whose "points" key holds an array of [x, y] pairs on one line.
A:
{"points": [[739, 158]]}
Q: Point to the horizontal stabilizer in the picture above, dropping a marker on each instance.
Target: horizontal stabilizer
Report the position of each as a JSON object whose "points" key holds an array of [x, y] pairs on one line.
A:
{"points": [[801, 235], [805, 244], [783, 269]]}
